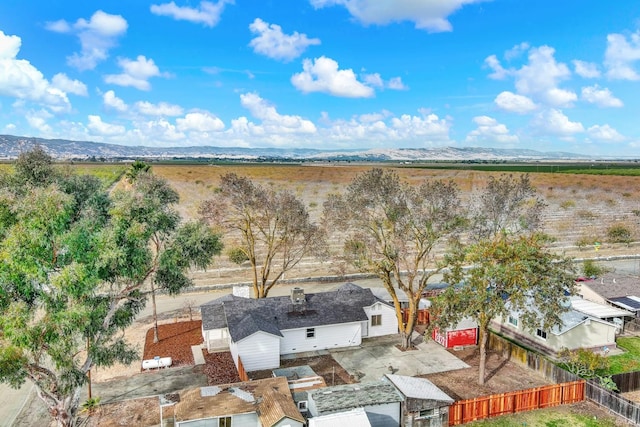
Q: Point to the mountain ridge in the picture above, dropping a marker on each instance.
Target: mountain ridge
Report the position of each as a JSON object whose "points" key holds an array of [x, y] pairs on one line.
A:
{"points": [[11, 146]]}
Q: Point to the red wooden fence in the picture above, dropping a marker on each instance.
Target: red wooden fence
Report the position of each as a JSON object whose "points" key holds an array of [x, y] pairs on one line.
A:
{"points": [[465, 411], [241, 372], [423, 316]]}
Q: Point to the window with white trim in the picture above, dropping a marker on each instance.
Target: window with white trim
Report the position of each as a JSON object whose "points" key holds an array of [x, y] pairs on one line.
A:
{"points": [[224, 422], [302, 405], [376, 320], [427, 413], [513, 321], [541, 334], [311, 332]]}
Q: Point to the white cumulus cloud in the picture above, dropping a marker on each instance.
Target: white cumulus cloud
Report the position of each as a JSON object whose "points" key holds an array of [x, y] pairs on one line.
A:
{"points": [[21, 80], [323, 75], [272, 121], [200, 122], [135, 73], [160, 109], [514, 103], [65, 84], [554, 122], [97, 36], [604, 133], [601, 97], [489, 130], [588, 70], [100, 128], [111, 101], [273, 43], [207, 13], [620, 56], [430, 15]]}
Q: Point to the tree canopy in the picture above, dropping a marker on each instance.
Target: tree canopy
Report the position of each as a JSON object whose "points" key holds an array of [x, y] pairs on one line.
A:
{"points": [[271, 228], [74, 262], [391, 228]]}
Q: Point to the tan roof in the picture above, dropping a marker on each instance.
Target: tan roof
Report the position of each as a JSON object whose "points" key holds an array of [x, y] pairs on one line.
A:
{"points": [[270, 398], [277, 405]]}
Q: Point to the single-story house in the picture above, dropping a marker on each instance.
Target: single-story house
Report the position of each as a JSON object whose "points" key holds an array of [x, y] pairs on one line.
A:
{"points": [[258, 331], [380, 401], [463, 334], [423, 304], [300, 378], [424, 405], [353, 418], [609, 286], [260, 403], [577, 330], [606, 312]]}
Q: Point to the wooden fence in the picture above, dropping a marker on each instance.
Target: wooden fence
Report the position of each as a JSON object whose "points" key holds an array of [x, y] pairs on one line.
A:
{"points": [[629, 381], [465, 411], [530, 359], [241, 372], [423, 316], [615, 403]]}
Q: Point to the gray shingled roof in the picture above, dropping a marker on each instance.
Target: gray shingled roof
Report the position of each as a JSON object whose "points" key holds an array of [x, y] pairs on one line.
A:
{"points": [[419, 388], [613, 285], [349, 396], [244, 316]]}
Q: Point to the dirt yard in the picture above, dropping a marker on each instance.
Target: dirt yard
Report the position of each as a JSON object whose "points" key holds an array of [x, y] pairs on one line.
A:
{"points": [[502, 376]]}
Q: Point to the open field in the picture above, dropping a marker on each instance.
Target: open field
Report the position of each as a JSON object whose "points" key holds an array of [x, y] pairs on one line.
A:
{"points": [[580, 210]]}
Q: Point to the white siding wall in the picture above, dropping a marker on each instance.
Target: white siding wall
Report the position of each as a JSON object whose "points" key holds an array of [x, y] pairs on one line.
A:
{"points": [[241, 420], [287, 422], [326, 337], [211, 335], [591, 334], [388, 410], [389, 324], [233, 348], [259, 351]]}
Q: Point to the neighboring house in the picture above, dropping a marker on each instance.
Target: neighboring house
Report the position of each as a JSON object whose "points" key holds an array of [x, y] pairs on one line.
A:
{"points": [[609, 286], [576, 331], [423, 304], [606, 312], [300, 378], [259, 331], [463, 334], [425, 405], [260, 403], [379, 399], [353, 418]]}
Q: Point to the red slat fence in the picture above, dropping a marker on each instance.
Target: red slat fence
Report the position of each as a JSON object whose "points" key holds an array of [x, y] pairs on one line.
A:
{"points": [[423, 316], [465, 411], [241, 372]]}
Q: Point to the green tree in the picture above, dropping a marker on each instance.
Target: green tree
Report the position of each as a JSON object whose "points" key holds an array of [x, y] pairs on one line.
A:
{"points": [[271, 228], [137, 167], [72, 277], [34, 168], [150, 205], [503, 275], [390, 229]]}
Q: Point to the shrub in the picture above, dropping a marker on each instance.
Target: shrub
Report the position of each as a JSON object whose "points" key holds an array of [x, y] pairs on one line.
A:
{"points": [[619, 233], [237, 256], [567, 204], [593, 269]]}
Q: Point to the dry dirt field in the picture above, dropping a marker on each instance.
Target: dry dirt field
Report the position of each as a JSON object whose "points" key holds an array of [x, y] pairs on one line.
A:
{"points": [[580, 207]]}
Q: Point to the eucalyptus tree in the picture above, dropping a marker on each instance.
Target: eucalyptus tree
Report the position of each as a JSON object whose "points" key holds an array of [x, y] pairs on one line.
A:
{"points": [[73, 274], [270, 229], [390, 229]]}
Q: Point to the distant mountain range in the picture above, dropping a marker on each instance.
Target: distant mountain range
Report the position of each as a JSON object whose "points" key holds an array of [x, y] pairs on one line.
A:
{"points": [[11, 147]]}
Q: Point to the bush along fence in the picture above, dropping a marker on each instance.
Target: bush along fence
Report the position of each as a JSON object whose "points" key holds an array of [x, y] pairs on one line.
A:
{"points": [[610, 400], [465, 411]]}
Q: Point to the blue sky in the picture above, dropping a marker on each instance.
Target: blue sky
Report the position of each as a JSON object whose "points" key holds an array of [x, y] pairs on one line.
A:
{"points": [[328, 74]]}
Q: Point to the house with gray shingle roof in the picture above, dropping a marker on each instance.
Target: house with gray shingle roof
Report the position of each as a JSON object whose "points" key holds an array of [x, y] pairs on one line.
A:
{"points": [[577, 330], [259, 331]]}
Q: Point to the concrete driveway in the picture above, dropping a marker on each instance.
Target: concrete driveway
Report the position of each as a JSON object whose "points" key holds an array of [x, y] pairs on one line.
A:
{"points": [[379, 356]]}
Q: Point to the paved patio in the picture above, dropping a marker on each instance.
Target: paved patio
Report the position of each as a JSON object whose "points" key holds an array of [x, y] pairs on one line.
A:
{"points": [[379, 356]]}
